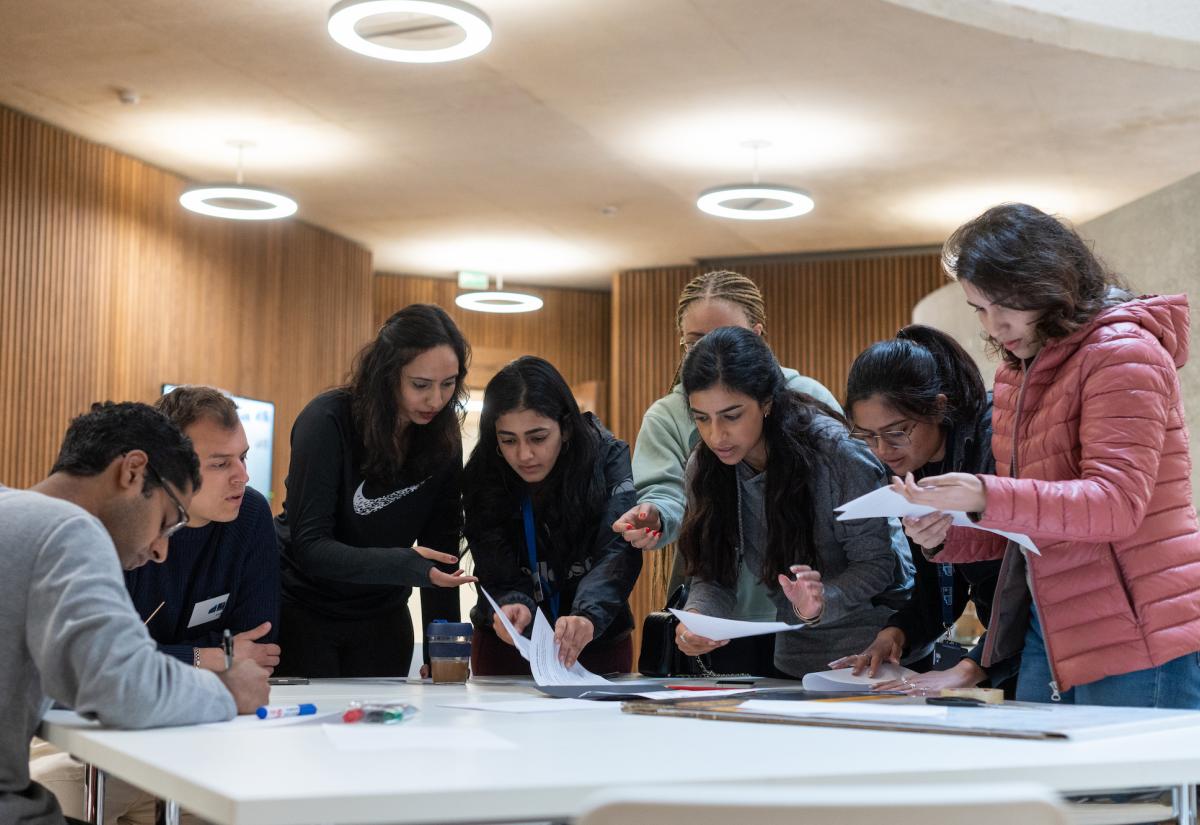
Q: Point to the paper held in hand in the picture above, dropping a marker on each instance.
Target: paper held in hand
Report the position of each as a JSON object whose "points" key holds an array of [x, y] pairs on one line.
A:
{"points": [[711, 627], [887, 503], [542, 652]]}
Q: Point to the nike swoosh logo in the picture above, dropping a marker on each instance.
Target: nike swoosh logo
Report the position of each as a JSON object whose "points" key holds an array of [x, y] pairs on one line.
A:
{"points": [[364, 506]]}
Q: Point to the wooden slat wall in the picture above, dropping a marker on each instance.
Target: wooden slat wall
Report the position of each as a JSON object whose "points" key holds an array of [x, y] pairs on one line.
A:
{"points": [[570, 331], [821, 312], [108, 288]]}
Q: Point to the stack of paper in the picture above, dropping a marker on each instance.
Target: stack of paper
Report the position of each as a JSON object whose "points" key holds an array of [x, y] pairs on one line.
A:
{"points": [[843, 679], [542, 652], [887, 503]]}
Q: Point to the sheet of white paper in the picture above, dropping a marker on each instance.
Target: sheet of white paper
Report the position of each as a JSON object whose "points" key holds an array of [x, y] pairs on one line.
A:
{"points": [[844, 678], [208, 610], [521, 642], [544, 705], [664, 695], [845, 710], [544, 663], [711, 627], [884, 502], [402, 736]]}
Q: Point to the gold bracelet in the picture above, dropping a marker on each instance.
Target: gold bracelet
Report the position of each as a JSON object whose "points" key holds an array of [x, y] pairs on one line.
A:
{"points": [[805, 620], [196, 657]]}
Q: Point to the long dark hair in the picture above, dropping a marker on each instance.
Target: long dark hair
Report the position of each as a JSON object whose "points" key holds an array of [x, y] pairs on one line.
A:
{"points": [[910, 371], [570, 497], [373, 384], [1022, 258], [741, 361]]}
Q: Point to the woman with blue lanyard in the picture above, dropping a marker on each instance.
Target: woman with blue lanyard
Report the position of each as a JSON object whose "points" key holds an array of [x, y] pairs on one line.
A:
{"points": [[541, 488], [919, 403]]}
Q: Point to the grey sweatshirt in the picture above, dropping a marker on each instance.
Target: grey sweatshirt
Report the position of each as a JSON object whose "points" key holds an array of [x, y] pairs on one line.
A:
{"points": [[68, 632], [866, 565]]}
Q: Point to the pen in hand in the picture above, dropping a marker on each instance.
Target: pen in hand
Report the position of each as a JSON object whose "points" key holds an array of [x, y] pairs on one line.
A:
{"points": [[227, 644]]}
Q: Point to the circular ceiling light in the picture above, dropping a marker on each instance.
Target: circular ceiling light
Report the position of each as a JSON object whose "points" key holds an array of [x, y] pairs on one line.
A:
{"points": [[402, 18], [755, 202], [238, 202], [504, 302]]}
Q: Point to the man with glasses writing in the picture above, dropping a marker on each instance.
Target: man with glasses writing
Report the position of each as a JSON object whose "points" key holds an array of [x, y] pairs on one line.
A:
{"points": [[119, 489]]}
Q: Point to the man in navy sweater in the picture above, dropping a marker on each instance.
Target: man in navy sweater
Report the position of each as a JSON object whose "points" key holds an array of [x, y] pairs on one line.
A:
{"points": [[223, 568], [221, 571]]}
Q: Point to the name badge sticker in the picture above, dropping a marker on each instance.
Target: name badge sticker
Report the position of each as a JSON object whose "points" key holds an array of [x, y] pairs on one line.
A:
{"points": [[208, 610]]}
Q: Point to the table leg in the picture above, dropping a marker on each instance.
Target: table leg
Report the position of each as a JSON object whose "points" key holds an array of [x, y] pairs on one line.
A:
{"points": [[93, 795], [1184, 799], [171, 813]]}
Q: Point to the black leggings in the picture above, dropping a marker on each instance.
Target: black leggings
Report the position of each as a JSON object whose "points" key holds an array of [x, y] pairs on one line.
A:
{"points": [[323, 648]]}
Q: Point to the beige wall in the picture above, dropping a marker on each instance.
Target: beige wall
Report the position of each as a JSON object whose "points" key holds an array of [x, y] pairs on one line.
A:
{"points": [[1153, 242]]}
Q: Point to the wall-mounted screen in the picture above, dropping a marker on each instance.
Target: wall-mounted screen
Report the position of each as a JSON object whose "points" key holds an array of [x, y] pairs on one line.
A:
{"points": [[258, 419]]}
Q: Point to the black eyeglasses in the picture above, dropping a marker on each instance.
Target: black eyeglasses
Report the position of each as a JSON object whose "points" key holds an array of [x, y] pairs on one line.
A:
{"points": [[183, 513], [897, 439]]}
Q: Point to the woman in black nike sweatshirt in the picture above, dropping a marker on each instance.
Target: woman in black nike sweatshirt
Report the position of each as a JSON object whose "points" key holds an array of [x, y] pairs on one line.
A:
{"points": [[376, 468]]}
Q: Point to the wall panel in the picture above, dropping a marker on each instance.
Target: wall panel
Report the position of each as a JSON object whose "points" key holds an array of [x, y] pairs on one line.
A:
{"points": [[108, 288], [821, 312], [570, 331]]}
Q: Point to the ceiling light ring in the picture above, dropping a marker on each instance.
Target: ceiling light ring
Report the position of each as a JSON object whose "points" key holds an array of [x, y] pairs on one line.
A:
{"points": [[499, 302], [347, 14], [277, 205], [797, 201]]}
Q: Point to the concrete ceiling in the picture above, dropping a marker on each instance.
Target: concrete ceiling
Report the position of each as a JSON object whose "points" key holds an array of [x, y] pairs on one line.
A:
{"points": [[576, 144]]}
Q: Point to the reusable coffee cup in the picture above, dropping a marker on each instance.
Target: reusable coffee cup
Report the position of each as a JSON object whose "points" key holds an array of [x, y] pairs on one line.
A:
{"points": [[449, 651]]}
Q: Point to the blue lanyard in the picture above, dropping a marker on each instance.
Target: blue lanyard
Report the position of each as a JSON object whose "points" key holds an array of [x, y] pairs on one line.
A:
{"points": [[540, 582], [946, 587]]}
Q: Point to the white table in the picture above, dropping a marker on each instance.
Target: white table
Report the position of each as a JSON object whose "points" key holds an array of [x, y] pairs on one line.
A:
{"points": [[247, 776]]}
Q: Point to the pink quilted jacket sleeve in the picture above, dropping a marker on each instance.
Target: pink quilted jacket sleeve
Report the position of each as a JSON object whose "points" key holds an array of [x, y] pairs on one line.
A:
{"points": [[1128, 384], [965, 545]]}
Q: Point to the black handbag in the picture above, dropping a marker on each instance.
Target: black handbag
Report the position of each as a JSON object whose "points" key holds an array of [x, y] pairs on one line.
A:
{"points": [[659, 656]]}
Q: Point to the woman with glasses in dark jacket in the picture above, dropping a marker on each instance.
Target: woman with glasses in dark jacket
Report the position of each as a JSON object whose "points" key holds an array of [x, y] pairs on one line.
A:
{"points": [[919, 402]]}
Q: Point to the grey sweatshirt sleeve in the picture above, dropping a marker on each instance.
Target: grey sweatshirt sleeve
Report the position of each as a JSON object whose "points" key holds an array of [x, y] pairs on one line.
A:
{"points": [[90, 647], [659, 456], [870, 546]]}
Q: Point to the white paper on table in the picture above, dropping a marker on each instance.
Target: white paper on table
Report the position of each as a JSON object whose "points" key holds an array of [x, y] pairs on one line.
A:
{"points": [[665, 695], [401, 736], [544, 663], [711, 627], [844, 710], [522, 644], [885, 502], [543, 705], [844, 679]]}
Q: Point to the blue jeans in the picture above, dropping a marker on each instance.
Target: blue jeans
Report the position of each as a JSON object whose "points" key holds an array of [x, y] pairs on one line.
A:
{"points": [[1175, 684]]}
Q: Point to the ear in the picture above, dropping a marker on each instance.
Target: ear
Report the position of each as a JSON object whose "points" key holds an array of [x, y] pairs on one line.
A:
{"points": [[131, 470], [757, 329], [767, 409]]}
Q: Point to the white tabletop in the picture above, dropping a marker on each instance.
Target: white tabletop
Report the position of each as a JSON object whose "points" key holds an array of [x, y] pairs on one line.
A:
{"points": [[240, 774]]}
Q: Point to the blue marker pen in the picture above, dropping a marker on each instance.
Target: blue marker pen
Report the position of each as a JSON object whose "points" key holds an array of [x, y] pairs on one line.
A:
{"points": [[280, 711]]}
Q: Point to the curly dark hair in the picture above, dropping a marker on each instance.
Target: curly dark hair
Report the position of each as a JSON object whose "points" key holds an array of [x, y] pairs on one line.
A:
{"points": [[108, 431], [1024, 259], [911, 370], [741, 361], [373, 384], [571, 493]]}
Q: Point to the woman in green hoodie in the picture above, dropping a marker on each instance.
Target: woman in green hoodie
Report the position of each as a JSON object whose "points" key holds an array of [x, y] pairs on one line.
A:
{"points": [[709, 301]]}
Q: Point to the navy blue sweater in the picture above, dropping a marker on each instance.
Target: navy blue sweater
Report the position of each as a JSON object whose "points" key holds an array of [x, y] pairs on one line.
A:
{"points": [[238, 560]]}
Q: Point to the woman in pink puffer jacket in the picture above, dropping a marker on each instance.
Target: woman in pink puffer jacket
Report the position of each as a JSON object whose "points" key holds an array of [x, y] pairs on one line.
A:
{"points": [[1092, 463]]}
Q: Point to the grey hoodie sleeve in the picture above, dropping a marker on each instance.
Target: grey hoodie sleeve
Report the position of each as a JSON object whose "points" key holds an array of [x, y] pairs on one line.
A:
{"points": [[659, 456], [875, 549], [90, 647]]}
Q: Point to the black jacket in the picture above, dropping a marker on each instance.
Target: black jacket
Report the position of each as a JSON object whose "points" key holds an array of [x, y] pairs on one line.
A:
{"points": [[345, 542], [593, 579], [968, 450]]}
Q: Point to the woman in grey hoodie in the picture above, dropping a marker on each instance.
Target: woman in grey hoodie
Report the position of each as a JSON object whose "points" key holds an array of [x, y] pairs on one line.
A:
{"points": [[762, 486]]}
